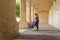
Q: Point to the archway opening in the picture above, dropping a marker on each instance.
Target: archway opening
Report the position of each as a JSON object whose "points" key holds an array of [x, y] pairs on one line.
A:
{"points": [[17, 10]]}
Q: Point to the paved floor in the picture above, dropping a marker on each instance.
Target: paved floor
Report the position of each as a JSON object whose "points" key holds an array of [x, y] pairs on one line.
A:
{"points": [[46, 27], [38, 35], [46, 32]]}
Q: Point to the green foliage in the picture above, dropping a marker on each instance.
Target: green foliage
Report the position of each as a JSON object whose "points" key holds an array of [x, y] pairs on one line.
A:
{"points": [[17, 9]]}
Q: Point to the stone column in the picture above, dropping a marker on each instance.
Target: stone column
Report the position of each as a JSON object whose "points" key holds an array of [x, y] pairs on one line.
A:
{"points": [[28, 10], [8, 24], [23, 23], [52, 13], [32, 13]]}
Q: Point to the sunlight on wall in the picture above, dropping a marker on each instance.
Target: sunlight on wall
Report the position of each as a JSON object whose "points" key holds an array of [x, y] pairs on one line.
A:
{"points": [[54, 15], [57, 19]]}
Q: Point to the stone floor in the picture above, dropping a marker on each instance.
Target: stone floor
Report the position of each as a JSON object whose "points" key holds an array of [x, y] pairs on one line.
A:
{"points": [[39, 35], [46, 27], [46, 32]]}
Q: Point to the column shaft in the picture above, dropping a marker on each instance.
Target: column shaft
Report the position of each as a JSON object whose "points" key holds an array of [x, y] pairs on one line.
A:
{"points": [[28, 10], [23, 23], [8, 24], [23, 10], [32, 13]]}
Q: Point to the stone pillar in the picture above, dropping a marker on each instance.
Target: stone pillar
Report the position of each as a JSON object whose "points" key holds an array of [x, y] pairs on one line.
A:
{"points": [[50, 16], [32, 13], [28, 10], [52, 13], [8, 25], [23, 23]]}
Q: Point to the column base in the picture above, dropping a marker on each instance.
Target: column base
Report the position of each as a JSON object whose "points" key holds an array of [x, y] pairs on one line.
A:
{"points": [[23, 25]]}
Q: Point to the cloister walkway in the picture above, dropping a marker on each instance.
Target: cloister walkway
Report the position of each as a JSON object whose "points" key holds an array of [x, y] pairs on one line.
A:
{"points": [[46, 32]]}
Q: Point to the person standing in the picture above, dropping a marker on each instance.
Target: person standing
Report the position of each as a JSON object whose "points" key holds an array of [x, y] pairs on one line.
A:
{"points": [[37, 21]]}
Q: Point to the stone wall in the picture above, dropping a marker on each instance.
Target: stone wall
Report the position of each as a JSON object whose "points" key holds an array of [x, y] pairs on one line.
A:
{"points": [[43, 17], [54, 18], [8, 25]]}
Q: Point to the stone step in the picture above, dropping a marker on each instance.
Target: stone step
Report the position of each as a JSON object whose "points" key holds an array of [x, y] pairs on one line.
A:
{"points": [[37, 37], [27, 39]]}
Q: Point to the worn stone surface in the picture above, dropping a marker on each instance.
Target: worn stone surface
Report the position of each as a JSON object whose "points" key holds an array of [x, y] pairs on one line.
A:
{"points": [[38, 35], [8, 24]]}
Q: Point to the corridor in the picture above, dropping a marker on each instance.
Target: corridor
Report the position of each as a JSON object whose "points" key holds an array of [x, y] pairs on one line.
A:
{"points": [[46, 32], [48, 12]]}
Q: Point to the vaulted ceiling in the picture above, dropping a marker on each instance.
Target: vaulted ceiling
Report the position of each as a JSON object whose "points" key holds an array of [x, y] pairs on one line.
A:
{"points": [[42, 5]]}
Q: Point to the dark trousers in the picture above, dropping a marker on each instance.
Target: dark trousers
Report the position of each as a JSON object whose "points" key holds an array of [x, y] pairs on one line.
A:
{"points": [[37, 22]]}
